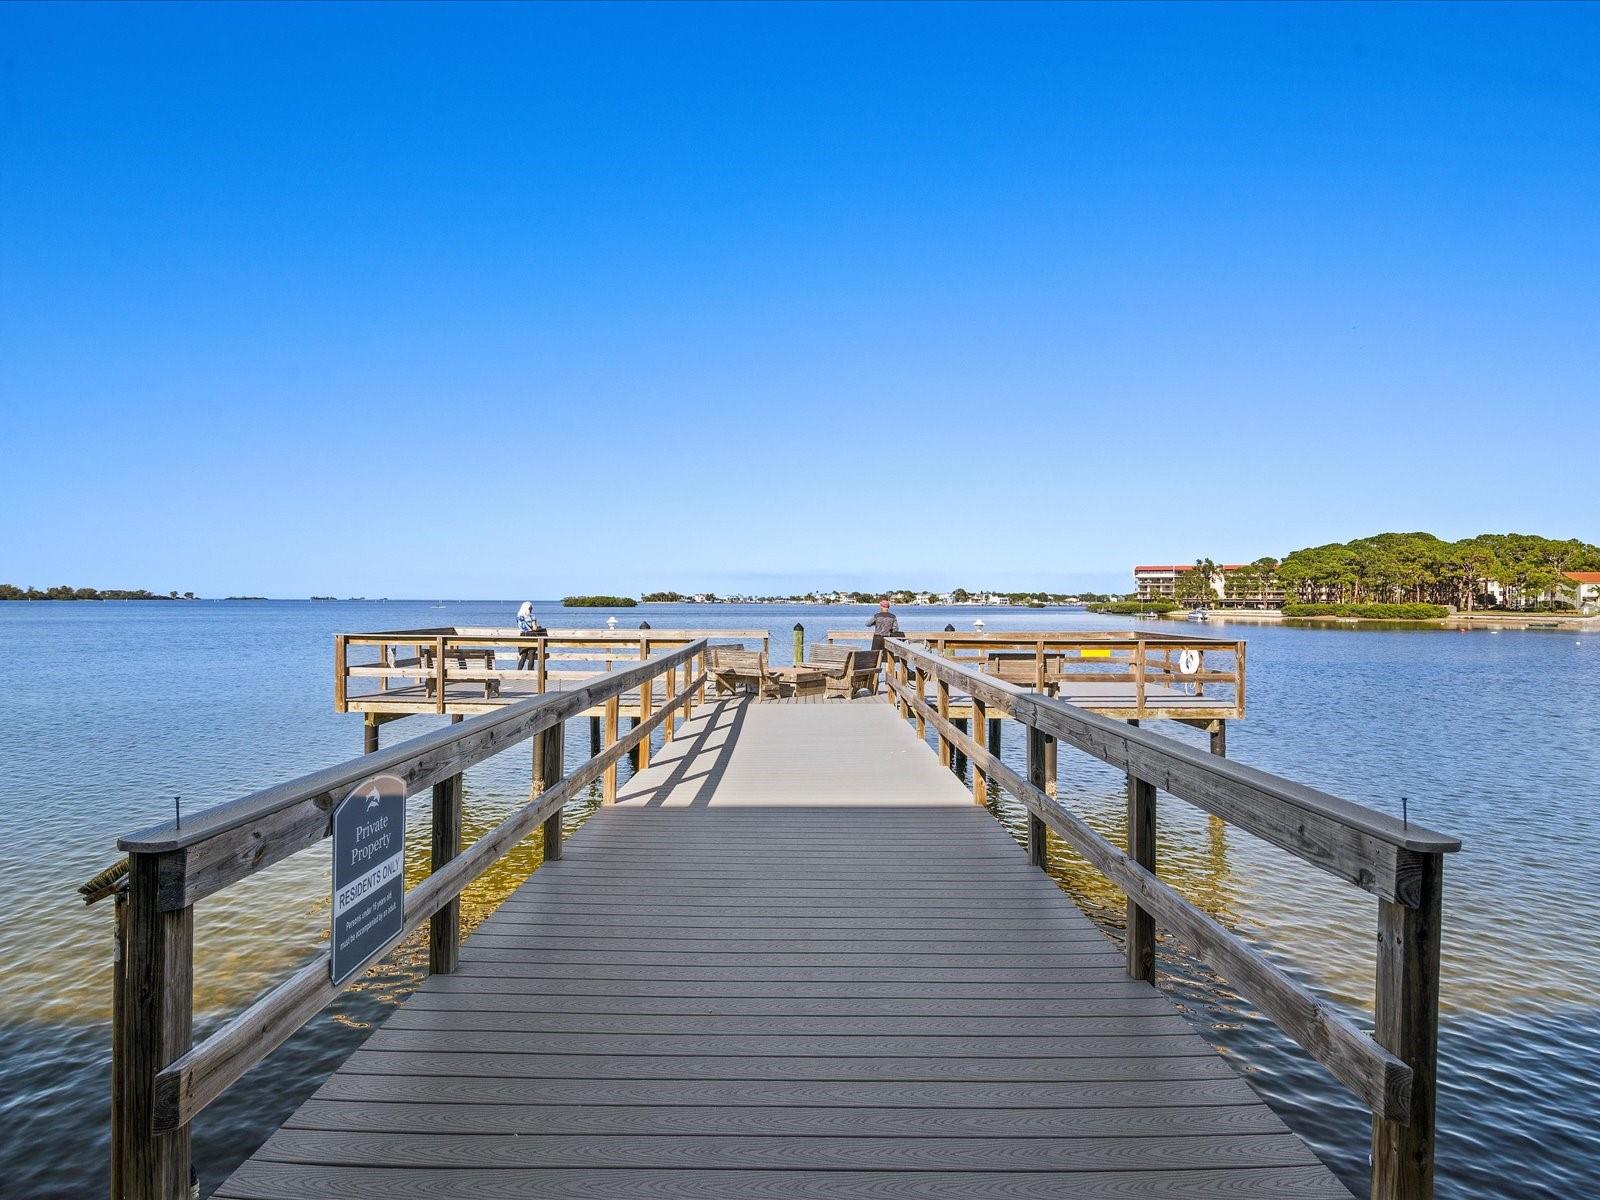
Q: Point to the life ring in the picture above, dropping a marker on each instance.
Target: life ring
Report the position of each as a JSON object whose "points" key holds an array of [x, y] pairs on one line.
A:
{"points": [[1189, 662]]}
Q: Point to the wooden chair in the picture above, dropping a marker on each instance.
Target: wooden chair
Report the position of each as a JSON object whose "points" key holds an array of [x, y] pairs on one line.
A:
{"points": [[848, 671], [734, 667]]}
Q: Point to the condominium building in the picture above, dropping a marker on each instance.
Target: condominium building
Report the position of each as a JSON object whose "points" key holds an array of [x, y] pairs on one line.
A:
{"points": [[1232, 590]]}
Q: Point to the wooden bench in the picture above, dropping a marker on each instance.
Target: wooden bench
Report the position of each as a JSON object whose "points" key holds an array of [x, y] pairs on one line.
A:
{"points": [[461, 659], [847, 670]]}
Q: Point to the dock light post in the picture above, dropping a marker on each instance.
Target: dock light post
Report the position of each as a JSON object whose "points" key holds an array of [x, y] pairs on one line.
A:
{"points": [[978, 624], [611, 623]]}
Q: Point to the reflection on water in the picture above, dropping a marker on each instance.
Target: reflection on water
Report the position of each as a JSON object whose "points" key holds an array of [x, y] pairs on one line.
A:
{"points": [[118, 707]]}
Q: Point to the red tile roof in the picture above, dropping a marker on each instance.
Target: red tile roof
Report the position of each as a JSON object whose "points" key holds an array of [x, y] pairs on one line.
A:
{"points": [[1584, 576]]}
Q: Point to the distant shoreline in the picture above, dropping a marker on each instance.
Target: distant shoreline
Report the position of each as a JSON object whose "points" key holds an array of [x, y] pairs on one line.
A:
{"points": [[1490, 621]]}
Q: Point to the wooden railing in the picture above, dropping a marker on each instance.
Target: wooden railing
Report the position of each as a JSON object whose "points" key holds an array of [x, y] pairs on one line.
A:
{"points": [[1401, 864], [165, 1079], [430, 659], [1047, 662]]}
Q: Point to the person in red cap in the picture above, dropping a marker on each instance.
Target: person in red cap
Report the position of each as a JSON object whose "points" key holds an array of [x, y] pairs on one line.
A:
{"points": [[884, 624]]}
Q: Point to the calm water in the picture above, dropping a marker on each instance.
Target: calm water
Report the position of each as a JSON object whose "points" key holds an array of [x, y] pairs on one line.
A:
{"points": [[116, 708]]}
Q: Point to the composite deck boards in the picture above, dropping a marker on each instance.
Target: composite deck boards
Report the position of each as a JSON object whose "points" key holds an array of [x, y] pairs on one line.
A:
{"points": [[793, 960]]}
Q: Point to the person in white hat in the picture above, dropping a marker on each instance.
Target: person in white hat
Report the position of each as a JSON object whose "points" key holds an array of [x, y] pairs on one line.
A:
{"points": [[527, 626]]}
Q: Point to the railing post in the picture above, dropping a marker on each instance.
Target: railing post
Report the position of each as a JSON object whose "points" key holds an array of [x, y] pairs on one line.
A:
{"points": [[541, 664], [1142, 850], [943, 690], [1138, 676], [1036, 776], [444, 927], [980, 781], [608, 794], [1406, 1023], [647, 705], [159, 1006], [1051, 753], [921, 686], [439, 673], [670, 724], [1238, 672], [339, 671], [549, 767]]}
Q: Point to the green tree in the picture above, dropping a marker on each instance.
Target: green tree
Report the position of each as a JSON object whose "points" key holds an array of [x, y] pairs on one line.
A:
{"points": [[1194, 586]]}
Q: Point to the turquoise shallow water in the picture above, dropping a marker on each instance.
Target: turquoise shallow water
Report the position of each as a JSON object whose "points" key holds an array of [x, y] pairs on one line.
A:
{"points": [[115, 708]]}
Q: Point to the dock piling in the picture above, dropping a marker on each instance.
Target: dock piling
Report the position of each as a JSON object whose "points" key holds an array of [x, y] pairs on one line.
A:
{"points": [[1038, 763], [1406, 1023], [549, 768], [1142, 850], [159, 1007], [444, 926]]}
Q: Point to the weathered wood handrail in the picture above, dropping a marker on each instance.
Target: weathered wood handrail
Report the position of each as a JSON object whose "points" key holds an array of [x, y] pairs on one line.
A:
{"points": [[1004, 637], [166, 1080], [1400, 863], [469, 655], [1061, 658]]}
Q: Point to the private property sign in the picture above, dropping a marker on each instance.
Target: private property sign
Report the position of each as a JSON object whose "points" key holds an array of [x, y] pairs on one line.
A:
{"points": [[369, 850]]}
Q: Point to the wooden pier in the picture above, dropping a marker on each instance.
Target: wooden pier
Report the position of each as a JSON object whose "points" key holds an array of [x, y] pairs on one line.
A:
{"points": [[791, 957]]}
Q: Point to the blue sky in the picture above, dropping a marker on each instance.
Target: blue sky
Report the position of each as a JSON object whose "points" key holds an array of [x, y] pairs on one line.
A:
{"points": [[485, 302]]}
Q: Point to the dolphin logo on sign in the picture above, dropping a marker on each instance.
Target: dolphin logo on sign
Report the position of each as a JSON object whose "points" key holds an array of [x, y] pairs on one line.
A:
{"points": [[369, 857]]}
